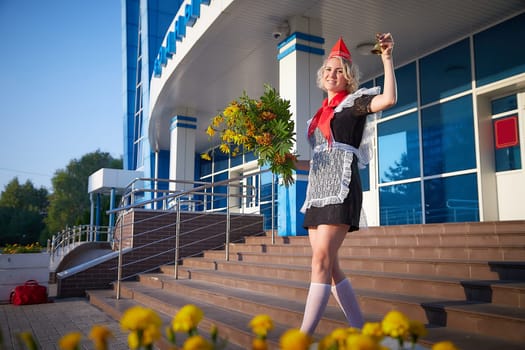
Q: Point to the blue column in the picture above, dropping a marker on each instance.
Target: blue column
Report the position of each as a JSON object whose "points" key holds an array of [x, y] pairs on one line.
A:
{"points": [[300, 56]]}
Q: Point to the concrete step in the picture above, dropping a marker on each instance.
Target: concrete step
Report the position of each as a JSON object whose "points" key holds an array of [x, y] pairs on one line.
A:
{"points": [[231, 324], [503, 293], [501, 252], [465, 281], [469, 234], [106, 301], [283, 309], [465, 269]]}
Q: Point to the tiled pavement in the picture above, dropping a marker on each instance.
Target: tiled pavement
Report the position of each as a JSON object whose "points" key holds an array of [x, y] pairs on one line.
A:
{"points": [[49, 322]]}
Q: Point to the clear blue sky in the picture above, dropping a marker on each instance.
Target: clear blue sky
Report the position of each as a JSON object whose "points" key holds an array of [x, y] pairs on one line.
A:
{"points": [[60, 85]]}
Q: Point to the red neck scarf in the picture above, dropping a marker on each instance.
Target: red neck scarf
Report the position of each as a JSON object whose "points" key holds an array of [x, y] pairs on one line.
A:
{"points": [[325, 114]]}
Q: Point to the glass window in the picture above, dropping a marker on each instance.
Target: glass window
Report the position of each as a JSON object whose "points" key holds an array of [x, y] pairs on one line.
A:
{"points": [[236, 160], [220, 159], [368, 84], [400, 204], [398, 148], [406, 89], [445, 72], [504, 104], [498, 51], [249, 156], [451, 199], [205, 167], [448, 137], [220, 201]]}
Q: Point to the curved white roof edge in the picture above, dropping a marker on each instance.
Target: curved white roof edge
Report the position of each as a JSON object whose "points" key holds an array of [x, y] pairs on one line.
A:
{"points": [[208, 15]]}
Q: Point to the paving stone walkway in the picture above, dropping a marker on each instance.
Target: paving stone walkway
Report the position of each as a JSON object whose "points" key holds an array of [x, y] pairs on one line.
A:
{"points": [[49, 322]]}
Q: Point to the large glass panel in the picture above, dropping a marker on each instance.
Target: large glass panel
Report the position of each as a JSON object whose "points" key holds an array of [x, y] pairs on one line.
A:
{"points": [[504, 104], [445, 72], [220, 159], [398, 149], [367, 84], [236, 160], [451, 199], [266, 200], [406, 89], [220, 201], [249, 156], [498, 51], [448, 137], [205, 167], [400, 204]]}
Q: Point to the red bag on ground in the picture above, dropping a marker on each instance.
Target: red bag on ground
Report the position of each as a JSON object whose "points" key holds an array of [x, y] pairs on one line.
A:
{"points": [[29, 293]]}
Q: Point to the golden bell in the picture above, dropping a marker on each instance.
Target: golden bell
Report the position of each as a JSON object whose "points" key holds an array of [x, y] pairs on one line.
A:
{"points": [[376, 50]]}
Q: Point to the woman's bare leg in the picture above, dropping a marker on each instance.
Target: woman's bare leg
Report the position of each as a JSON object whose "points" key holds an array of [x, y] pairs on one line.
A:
{"points": [[325, 241]]}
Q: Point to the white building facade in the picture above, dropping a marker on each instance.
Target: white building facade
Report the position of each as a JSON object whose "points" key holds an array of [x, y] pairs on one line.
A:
{"points": [[451, 150]]}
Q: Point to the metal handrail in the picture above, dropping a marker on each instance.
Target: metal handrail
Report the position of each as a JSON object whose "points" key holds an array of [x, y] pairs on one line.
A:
{"points": [[134, 198], [64, 241]]}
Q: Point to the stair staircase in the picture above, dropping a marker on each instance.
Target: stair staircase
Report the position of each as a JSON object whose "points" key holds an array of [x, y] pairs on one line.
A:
{"points": [[465, 281]]}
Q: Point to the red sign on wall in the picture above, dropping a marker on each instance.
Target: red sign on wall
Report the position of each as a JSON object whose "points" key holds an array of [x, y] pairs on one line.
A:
{"points": [[506, 132]]}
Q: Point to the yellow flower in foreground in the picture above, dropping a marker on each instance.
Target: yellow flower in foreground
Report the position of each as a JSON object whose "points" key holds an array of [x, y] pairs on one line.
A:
{"points": [[362, 342], [373, 329], [187, 319], [139, 318], [144, 325], [205, 156], [326, 343], [261, 324], [150, 334], [197, 342], [337, 338], [294, 339], [444, 345], [395, 324], [100, 336], [133, 340], [70, 341], [259, 344]]}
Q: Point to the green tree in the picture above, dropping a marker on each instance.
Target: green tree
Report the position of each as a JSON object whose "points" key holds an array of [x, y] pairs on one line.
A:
{"points": [[22, 211], [69, 204], [24, 196]]}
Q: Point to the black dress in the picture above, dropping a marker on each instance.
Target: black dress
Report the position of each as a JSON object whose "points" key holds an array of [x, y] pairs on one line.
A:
{"points": [[347, 128]]}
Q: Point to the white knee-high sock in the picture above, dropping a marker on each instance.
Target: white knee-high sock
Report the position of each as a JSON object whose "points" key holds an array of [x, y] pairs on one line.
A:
{"points": [[316, 301], [345, 296]]}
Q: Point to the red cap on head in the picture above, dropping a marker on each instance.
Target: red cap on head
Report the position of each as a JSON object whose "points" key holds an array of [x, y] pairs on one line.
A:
{"points": [[340, 50]]}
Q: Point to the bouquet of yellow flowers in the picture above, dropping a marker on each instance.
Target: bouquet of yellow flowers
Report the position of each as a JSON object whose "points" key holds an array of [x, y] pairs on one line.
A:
{"points": [[264, 126]]}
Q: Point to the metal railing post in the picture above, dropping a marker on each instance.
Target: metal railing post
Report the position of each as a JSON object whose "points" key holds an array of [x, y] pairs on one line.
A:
{"points": [[119, 266], [53, 247], [227, 243], [177, 242]]}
